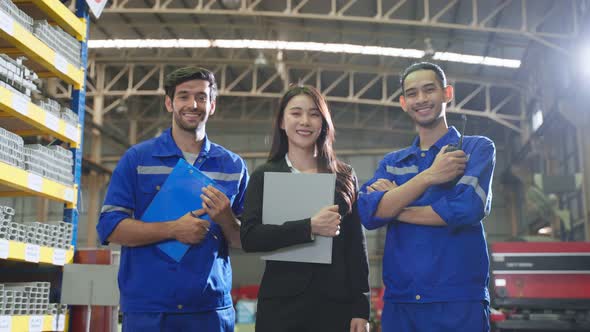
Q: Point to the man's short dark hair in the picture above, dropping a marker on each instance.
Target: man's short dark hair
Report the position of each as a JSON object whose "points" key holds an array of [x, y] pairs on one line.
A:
{"points": [[185, 74], [440, 74]]}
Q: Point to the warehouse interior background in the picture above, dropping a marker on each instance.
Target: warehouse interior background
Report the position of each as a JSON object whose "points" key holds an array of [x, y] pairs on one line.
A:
{"points": [[520, 70], [125, 90]]}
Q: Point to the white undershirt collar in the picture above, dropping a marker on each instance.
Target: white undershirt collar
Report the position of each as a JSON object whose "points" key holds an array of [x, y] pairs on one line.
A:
{"points": [[290, 164]]}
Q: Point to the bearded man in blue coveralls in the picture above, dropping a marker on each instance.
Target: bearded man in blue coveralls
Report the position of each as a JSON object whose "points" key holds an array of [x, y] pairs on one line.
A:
{"points": [[435, 264], [157, 292]]}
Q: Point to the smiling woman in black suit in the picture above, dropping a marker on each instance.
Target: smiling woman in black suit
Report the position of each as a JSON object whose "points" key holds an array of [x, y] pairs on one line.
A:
{"points": [[305, 296]]}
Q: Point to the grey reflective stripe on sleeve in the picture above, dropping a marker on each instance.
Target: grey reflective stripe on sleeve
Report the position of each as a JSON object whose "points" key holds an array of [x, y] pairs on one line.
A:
{"points": [[224, 176], [154, 170], [402, 170], [474, 182], [113, 208]]}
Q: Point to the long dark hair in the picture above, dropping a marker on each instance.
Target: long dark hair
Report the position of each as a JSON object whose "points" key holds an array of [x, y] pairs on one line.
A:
{"points": [[326, 158]]}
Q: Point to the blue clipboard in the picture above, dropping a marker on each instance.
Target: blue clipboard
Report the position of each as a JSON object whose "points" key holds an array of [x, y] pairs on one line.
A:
{"points": [[179, 194]]}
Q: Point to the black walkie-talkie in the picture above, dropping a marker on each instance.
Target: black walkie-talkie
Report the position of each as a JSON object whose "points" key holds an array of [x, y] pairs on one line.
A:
{"points": [[453, 147]]}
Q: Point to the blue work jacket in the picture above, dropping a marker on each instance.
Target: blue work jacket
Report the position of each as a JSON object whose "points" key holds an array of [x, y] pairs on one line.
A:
{"points": [[149, 280], [436, 264]]}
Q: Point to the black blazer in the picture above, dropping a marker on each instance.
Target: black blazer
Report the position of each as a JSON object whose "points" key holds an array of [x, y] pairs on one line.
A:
{"points": [[345, 280]]}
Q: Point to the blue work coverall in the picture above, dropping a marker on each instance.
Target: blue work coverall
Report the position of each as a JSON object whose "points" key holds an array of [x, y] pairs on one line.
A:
{"points": [[436, 278], [158, 293]]}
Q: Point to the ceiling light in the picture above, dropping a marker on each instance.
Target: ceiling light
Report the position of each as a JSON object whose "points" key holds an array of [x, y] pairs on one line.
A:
{"points": [[302, 46], [260, 60], [476, 59]]}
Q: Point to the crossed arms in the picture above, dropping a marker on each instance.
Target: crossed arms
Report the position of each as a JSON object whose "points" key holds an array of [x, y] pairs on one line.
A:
{"points": [[468, 202]]}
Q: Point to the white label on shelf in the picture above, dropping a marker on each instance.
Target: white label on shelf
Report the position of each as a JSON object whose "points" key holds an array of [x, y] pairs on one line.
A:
{"points": [[51, 121], [59, 256], [72, 132], [35, 182], [35, 323], [4, 249], [20, 104], [32, 253], [61, 63], [61, 323], [5, 324], [69, 194], [6, 23]]}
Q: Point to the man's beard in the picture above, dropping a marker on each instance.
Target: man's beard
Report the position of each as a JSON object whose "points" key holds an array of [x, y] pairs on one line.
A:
{"points": [[186, 126]]}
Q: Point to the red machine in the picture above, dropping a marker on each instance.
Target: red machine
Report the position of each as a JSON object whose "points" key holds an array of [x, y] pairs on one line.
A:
{"points": [[542, 286]]}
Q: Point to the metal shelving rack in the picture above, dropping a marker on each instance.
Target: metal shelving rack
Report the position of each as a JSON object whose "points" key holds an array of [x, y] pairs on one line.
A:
{"points": [[26, 118]]}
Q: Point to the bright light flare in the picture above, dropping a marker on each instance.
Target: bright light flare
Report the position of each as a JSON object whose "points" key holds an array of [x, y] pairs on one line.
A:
{"points": [[584, 61]]}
